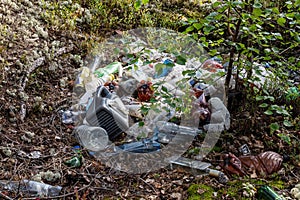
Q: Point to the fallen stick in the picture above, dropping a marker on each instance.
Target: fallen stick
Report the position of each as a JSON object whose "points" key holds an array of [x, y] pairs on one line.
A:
{"points": [[36, 64]]}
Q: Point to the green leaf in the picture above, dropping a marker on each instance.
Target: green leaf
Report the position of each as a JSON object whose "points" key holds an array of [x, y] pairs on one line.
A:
{"points": [[137, 4], [117, 50], [290, 16], [211, 16], [270, 98], [263, 105], [170, 65], [274, 127], [216, 4], [220, 73], [153, 100], [268, 112], [133, 61], [289, 2], [208, 28], [145, 1], [275, 107], [254, 49], [180, 60], [237, 3], [241, 45], [189, 29], [213, 52], [195, 36], [162, 49], [285, 137], [189, 72], [144, 110], [159, 68], [197, 25], [285, 112], [163, 88], [257, 5], [257, 12], [259, 98], [287, 123], [267, 50], [141, 123], [281, 21]]}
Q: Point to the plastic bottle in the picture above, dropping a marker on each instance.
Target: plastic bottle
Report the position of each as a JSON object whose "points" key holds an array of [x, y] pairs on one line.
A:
{"points": [[90, 83], [70, 117], [144, 146], [91, 137], [171, 128], [109, 69], [32, 187]]}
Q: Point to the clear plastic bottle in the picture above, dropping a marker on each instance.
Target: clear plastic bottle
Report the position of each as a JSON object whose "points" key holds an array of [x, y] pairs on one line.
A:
{"points": [[171, 128], [32, 187], [92, 138]]}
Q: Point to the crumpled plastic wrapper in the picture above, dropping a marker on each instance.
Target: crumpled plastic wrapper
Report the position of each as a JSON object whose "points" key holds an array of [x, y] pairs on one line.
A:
{"points": [[220, 116]]}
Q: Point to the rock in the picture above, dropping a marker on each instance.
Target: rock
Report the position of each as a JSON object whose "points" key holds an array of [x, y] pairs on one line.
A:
{"points": [[176, 195]]}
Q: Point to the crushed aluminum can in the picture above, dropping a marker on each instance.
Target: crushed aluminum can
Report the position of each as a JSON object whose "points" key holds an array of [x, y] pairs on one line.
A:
{"points": [[244, 149]]}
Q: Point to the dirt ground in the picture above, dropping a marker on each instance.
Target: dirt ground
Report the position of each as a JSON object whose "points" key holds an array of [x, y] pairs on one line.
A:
{"points": [[37, 66]]}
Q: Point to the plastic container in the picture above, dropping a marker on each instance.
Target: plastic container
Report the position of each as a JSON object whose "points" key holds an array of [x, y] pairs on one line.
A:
{"points": [[91, 137], [32, 187], [171, 128], [108, 112]]}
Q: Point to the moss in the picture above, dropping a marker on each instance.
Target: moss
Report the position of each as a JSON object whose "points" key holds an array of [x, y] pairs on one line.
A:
{"points": [[233, 190], [200, 191], [217, 149], [278, 184]]}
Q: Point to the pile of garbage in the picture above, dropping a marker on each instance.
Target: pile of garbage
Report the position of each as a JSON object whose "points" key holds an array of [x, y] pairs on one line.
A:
{"points": [[147, 99], [148, 86], [143, 99]]}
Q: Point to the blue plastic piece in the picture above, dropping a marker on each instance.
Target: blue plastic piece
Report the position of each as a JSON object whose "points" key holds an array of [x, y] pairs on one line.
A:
{"points": [[165, 71], [144, 146], [267, 65], [192, 82], [168, 61]]}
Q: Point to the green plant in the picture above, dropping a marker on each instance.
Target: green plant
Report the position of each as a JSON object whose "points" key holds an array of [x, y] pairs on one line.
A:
{"points": [[249, 33], [139, 3], [200, 191]]}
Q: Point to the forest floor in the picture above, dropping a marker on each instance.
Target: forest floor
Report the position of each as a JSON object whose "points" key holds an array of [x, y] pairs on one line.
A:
{"points": [[38, 63]]}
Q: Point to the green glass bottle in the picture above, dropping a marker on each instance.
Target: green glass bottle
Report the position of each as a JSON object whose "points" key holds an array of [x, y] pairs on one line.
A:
{"points": [[266, 193]]}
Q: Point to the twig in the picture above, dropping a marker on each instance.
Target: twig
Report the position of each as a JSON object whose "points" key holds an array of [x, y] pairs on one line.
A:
{"points": [[102, 188], [5, 197], [36, 64], [13, 141], [284, 50], [148, 185], [39, 62], [295, 175]]}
